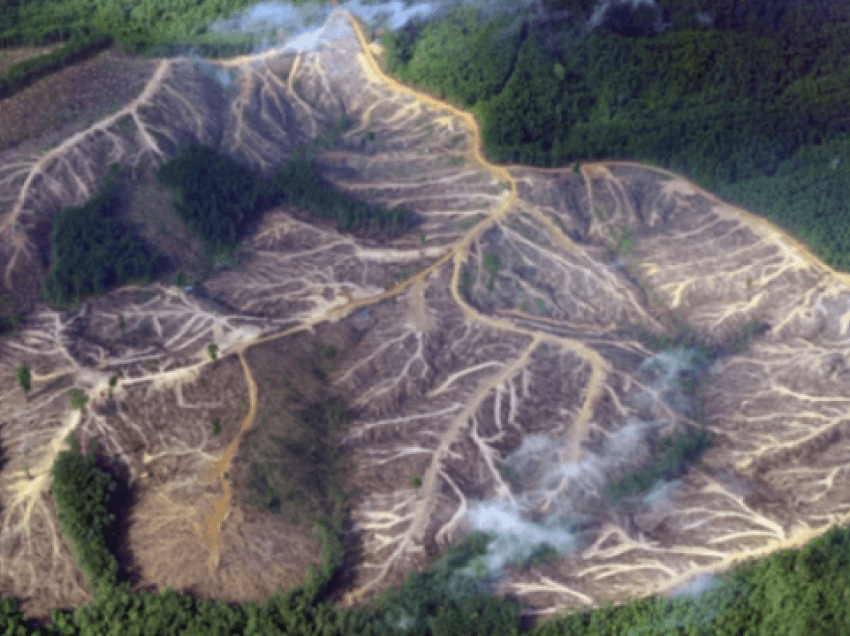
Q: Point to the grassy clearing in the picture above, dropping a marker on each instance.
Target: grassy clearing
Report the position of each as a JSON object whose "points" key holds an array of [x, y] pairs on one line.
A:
{"points": [[289, 462]]}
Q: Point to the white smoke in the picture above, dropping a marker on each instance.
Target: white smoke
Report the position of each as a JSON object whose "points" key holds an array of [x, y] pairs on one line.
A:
{"points": [[278, 25], [695, 587], [601, 9], [515, 538], [222, 77], [554, 494]]}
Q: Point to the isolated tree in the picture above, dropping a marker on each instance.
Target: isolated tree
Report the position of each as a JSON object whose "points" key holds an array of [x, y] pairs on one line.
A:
{"points": [[23, 376], [212, 349], [79, 399]]}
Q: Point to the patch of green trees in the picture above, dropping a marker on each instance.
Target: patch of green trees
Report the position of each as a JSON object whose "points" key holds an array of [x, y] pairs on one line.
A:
{"points": [[215, 197], [24, 377], [672, 457], [81, 493], [93, 251], [9, 316], [791, 592], [219, 199], [78, 399]]}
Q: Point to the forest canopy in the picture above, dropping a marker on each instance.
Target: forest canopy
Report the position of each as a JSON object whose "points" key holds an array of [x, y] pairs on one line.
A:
{"points": [[752, 109], [94, 252]]}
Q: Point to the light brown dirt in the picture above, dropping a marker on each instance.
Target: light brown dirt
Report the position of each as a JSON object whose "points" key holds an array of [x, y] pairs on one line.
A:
{"points": [[70, 99]]}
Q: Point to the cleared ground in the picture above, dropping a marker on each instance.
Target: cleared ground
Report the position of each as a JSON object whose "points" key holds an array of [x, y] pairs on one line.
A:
{"points": [[453, 362]]}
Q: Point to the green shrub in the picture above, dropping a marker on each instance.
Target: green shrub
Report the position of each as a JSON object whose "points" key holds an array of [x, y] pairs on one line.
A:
{"points": [[23, 376], [78, 399]]}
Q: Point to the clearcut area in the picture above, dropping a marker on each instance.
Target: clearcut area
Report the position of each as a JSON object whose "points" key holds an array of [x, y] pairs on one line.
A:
{"points": [[520, 364]]}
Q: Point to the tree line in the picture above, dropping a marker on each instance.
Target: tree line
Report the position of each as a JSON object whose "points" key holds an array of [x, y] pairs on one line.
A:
{"points": [[792, 592], [755, 113], [136, 25], [81, 494]]}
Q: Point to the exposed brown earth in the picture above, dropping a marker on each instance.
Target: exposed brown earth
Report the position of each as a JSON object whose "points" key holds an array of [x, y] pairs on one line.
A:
{"points": [[450, 369], [70, 100]]}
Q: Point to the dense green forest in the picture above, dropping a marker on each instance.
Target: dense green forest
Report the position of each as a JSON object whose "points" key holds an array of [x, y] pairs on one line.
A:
{"points": [[751, 104], [41, 21], [93, 252]]}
